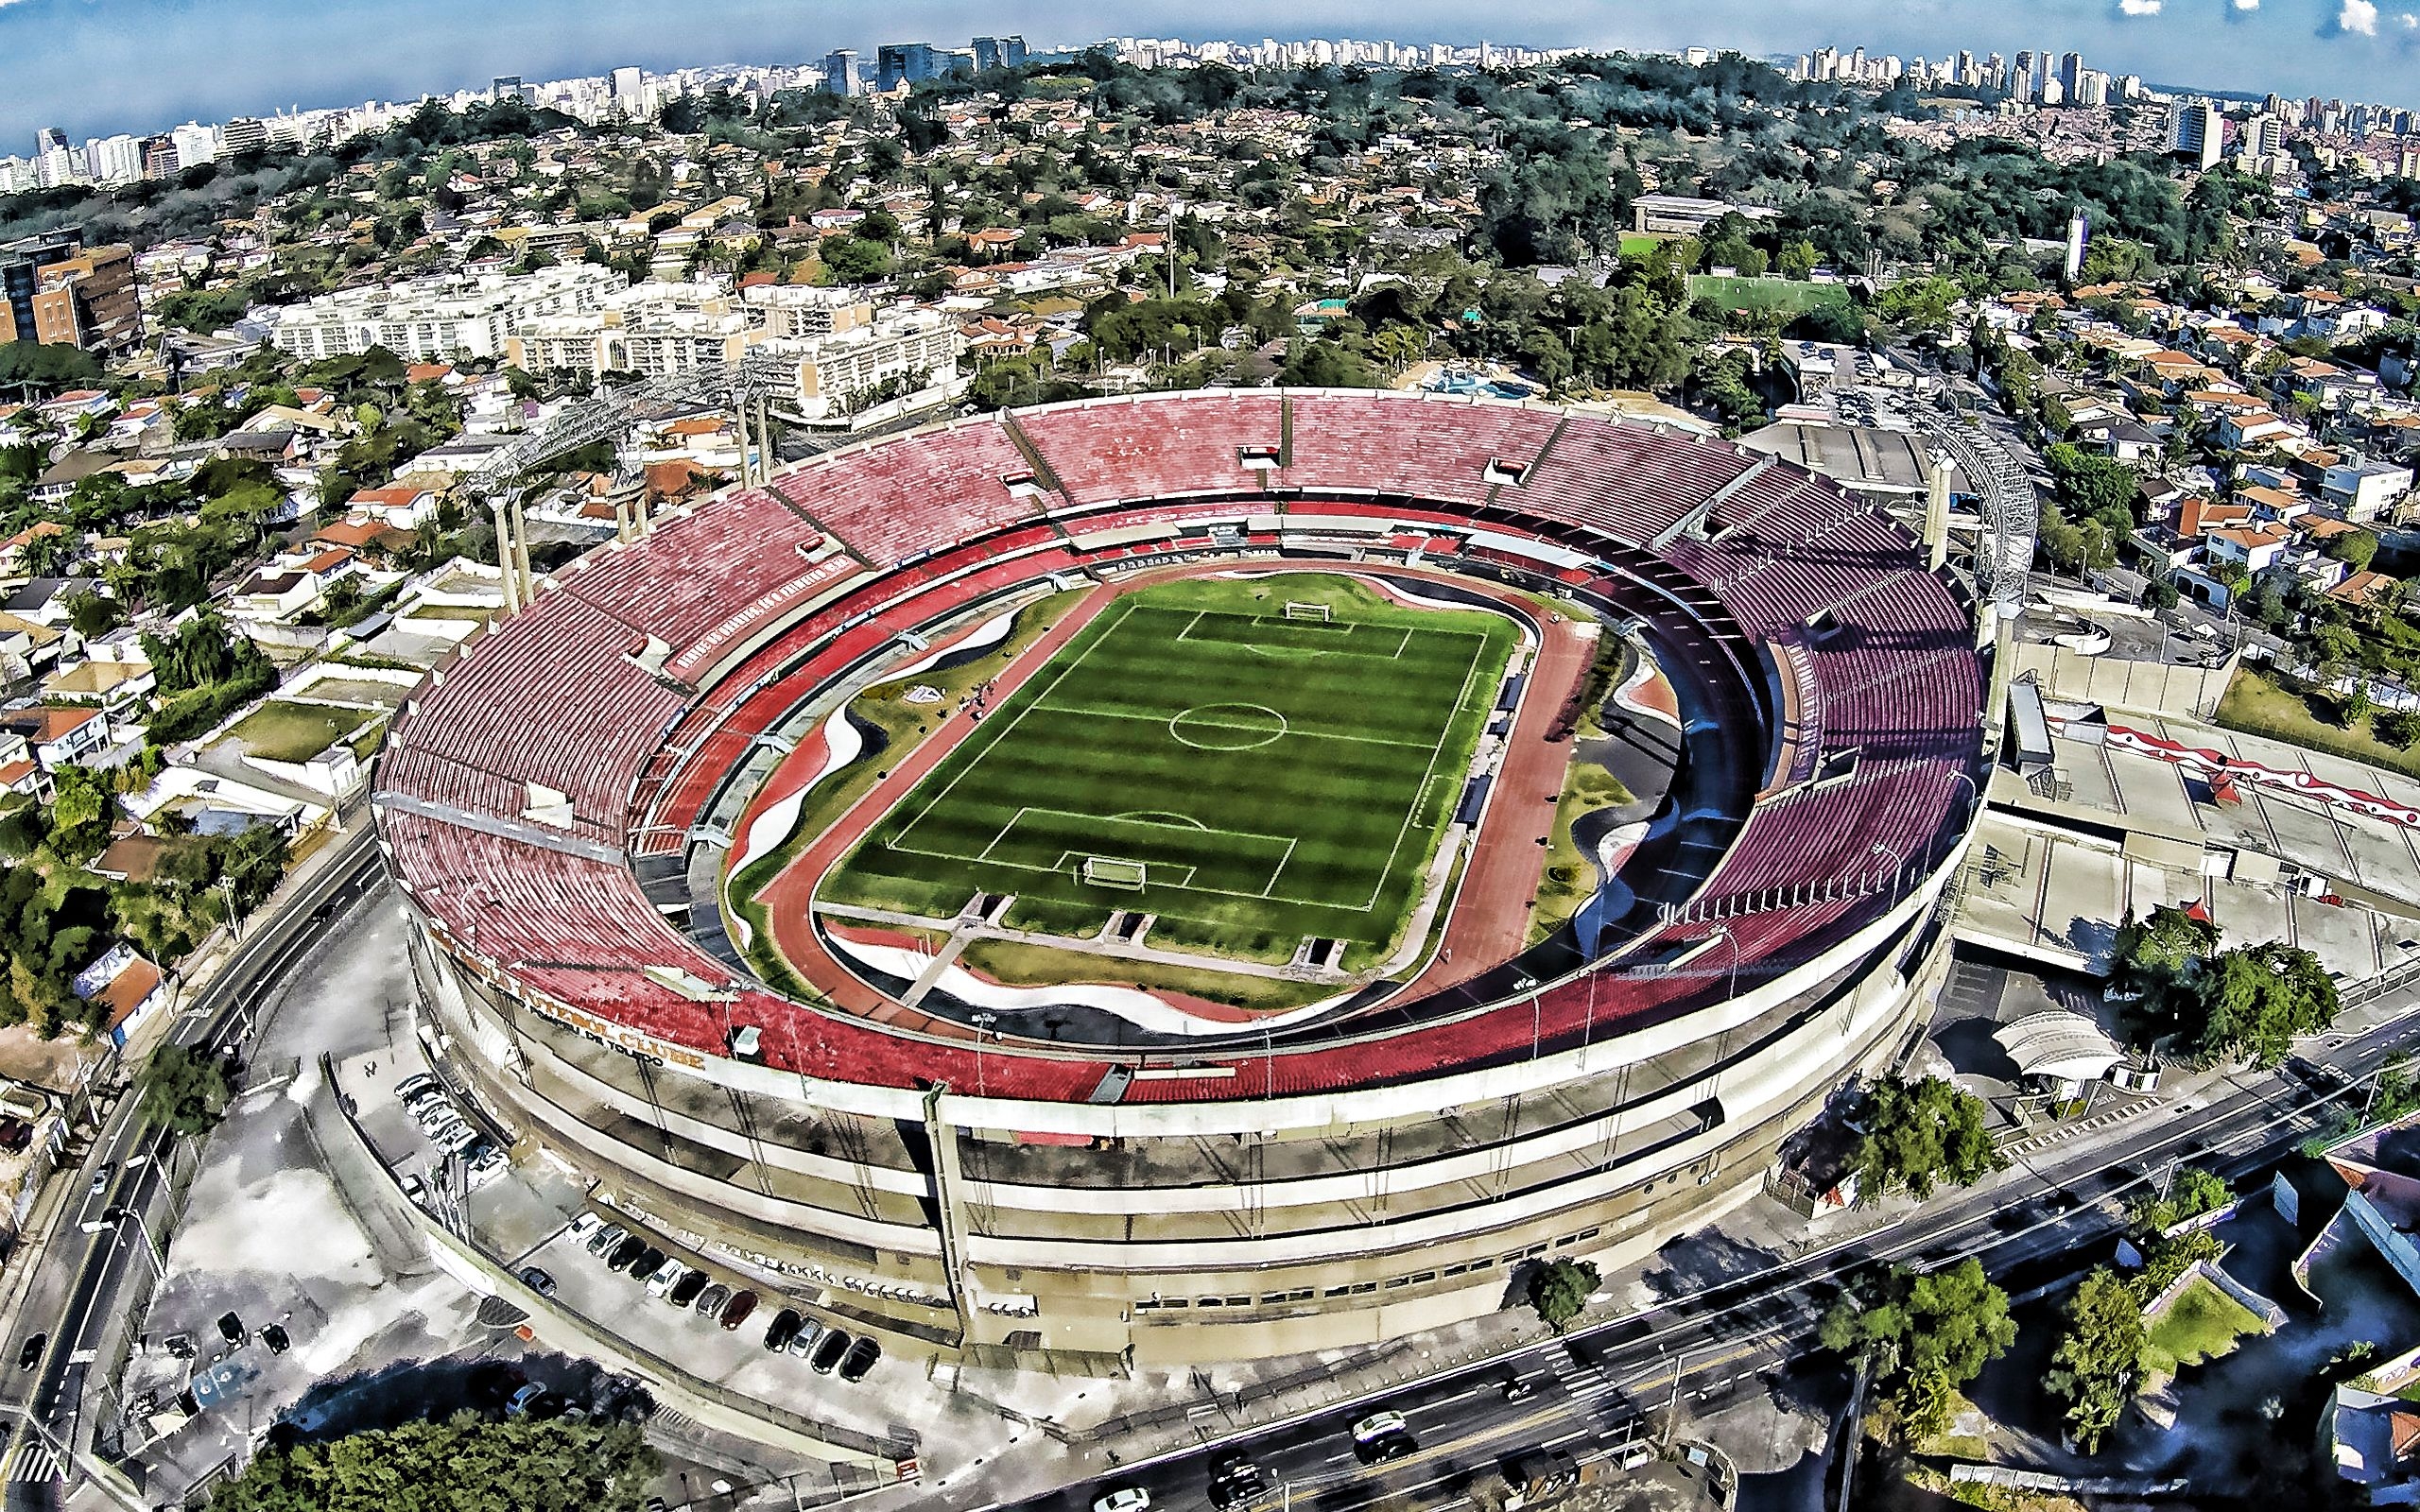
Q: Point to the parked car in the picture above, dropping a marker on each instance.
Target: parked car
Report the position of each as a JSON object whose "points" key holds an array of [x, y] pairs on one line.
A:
{"points": [[482, 1164], [583, 1226], [230, 1328], [828, 1353], [737, 1309], [462, 1140], [537, 1280], [521, 1401], [1124, 1499], [666, 1273], [30, 1355], [606, 1240], [684, 1291], [710, 1301], [100, 1181], [650, 1264], [802, 1344], [860, 1359], [626, 1250], [412, 1086], [434, 1111], [412, 1185], [278, 1340], [784, 1328]]}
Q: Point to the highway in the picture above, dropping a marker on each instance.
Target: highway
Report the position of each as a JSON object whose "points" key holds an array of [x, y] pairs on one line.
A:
{"points": [[1597, 1386], [80, 1289]]}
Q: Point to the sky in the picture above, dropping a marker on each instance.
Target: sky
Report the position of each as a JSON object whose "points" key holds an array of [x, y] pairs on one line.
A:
{"points": [[95, 68]]}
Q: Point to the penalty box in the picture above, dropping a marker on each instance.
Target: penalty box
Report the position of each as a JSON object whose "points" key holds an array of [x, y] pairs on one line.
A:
{"points": [[1180, 852]]}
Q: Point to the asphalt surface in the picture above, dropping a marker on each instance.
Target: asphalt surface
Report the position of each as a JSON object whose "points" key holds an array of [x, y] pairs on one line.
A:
{"points": [[1599, 1387], [87, 1278]]}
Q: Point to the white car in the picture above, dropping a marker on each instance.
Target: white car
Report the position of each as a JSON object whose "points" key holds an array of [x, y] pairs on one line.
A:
{"points": [[581, 1226], [661, 1281], [460, 1140], [440, 1133], [1124, 1499], [1378, 1425], [485, 1169]]}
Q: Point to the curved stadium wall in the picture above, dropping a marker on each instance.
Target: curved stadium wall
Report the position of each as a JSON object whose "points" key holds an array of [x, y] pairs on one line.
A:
{"points": [[556, 803]]}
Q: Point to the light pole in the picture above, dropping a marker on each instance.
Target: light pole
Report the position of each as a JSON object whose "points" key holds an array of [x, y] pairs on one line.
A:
{"points": [[1731, 941], [983, 1022], [111, 1217]]}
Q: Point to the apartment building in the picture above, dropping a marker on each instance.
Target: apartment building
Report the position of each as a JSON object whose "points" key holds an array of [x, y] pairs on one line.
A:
{"points": [[59, 292], [649, 329], [434, 319]]}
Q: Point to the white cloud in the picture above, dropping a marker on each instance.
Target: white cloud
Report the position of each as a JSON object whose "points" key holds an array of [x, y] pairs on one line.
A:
{"points": [[2247, 4], [2358, 16], [2140, 7], [2411, 21]]}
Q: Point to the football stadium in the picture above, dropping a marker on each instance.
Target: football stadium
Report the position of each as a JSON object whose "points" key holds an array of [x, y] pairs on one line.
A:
{"points": [[1195, 876]]}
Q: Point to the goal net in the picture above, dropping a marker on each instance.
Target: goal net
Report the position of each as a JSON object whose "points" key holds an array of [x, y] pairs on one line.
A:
{"points": [[1298, 610], [1112, 871]]}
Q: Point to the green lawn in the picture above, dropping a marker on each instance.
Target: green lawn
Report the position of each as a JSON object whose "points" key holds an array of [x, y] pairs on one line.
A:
{"points": [[1638, 244], [1276, 775], [283, 731], [1766, 293], [2260, 705], [1019, 964], [2201, 1325]]}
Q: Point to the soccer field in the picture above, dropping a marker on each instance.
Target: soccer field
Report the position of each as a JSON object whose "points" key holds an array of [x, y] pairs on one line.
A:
{"points": [[1252, 775]]}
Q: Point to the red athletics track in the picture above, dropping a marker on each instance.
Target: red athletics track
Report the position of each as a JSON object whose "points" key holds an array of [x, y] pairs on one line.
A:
{"points": [[1489, 917]]}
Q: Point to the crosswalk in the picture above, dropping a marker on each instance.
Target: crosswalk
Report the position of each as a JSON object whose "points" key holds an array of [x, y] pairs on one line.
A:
{"points": [[34, 1463]]}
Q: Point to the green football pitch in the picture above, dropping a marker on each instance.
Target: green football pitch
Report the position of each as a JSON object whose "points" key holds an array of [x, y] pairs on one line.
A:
{"points": [[1211, 751]]}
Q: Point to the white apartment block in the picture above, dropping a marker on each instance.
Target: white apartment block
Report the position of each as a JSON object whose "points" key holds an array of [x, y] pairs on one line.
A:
{"points": [[435, 318], [832, 370], [650, 328], [787, 310]]}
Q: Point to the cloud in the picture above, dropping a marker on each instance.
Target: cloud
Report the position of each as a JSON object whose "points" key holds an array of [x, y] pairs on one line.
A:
{"points": [[2358, 16], [2140, 7], [2247, 4]]}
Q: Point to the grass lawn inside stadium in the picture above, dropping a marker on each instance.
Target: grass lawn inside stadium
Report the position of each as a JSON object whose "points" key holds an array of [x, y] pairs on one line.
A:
{"points": [[1250, 772]]}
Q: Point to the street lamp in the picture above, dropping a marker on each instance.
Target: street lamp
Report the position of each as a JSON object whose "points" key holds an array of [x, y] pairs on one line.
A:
{"points": [[111, 1217], [1731, 941], [983, 1022]]}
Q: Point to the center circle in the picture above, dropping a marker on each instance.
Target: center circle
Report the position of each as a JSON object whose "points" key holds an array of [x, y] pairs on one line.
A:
{"points": [[1228, 726]]}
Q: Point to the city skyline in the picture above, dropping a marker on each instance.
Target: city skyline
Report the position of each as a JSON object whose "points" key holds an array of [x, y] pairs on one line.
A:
{"points": [[56, 50]]}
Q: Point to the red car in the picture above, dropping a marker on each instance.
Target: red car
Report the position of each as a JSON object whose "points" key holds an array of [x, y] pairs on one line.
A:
{"points": [[736, 1312]]}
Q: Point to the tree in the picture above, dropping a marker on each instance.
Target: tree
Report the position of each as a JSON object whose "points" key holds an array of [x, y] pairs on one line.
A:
{"points": [[1924, 1335], [464, 1464], [1560, 1291], [184, 1089], [2251, 1001], [2099, 1355], [2356, 549], [1921, 1133], [2154, 951], [2398, 727]]}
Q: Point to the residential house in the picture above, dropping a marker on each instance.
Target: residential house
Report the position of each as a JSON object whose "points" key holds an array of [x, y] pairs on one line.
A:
{"points": [[60, 735], [400, 506]]}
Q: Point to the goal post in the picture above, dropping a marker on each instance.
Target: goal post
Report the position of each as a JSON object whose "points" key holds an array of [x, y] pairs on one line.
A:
{"points": [[1116, 871], [1297, 609]]}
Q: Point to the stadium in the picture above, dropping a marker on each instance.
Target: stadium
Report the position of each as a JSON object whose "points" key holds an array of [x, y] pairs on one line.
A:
{"points": [[1197, 876]]}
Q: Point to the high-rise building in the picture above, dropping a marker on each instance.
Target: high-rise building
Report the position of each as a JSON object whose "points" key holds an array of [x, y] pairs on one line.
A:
{"points": [[59, 292], [2196, 133], [194, 143], [242, 134], [905, 62], [841, 72], [2264, 136], [506, 86], [627, 88], [159, 157], [999, 52], [113, 159], [2072, 74]]}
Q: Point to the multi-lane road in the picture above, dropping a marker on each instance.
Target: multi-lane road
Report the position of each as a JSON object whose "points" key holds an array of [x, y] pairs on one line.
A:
{"points": [[1586, 1393], [1601, 1386], [88, 1269]]}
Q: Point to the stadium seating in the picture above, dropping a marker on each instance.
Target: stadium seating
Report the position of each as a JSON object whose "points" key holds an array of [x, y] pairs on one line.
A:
{"points": [[754, 611]]}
